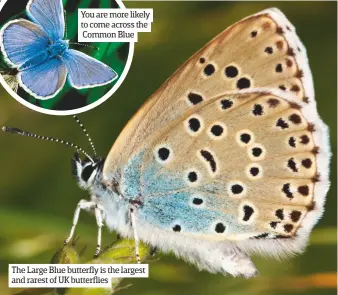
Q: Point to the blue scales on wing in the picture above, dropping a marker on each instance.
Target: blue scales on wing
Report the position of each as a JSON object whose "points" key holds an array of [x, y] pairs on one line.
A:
{"points": [[44, 80], [85, 71], [49, 15], [23, 41], [169, 204]]}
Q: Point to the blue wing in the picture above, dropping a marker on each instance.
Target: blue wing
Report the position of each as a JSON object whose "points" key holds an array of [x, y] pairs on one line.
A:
{"points": [[45, 80], [48, 14], [85, 71], [170, 205], [21, 40]]}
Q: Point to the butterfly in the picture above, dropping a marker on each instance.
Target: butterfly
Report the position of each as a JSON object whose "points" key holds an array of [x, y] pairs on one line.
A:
{"points": [[228, 158], [44, 60]]}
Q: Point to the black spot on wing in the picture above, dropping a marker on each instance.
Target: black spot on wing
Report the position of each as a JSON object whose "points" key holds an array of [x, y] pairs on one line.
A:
{"points": [[248, 211], [292, 165], [195, 98], [210, 159], [220, 228], [286, 190], [282, 124]]}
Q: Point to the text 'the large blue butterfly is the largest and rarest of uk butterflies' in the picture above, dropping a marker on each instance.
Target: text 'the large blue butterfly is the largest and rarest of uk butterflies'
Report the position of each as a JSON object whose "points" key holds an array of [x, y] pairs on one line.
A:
{"points": [[43, 58], [228, 158]]}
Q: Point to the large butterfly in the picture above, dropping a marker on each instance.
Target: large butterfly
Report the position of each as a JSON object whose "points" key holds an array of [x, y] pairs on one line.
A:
{"points": [[43, 58], [228, 158]]}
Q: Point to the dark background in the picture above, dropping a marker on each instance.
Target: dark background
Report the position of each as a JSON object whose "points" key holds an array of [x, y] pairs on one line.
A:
{"points": [[112, 54], [38, 194]]}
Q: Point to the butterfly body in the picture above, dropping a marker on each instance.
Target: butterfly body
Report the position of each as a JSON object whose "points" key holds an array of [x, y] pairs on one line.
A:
{"points": [[58, 48], [38, 50], [54, 50]]}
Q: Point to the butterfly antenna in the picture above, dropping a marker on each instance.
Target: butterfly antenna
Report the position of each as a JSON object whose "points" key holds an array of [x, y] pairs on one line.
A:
{"points": [[65, 18], [53, 139], [86, 133], [86, 45]]}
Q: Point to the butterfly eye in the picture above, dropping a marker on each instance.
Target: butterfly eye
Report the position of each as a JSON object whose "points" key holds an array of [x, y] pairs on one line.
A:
{"points": [[87, 172]]}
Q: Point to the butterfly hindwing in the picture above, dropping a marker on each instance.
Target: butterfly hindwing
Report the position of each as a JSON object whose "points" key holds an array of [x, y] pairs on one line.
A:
{"points": [[44, 80], [85, 71], [49, 15], [21, 41]]}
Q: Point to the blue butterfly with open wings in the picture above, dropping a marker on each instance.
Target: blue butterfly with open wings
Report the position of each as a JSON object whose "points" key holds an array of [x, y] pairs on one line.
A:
{"points": [[43, 58]]}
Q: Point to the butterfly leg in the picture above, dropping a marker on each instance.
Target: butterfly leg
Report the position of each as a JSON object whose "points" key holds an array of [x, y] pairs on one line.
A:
{"points": [[137, 241], [83, 204], [99, 221], [87, 205]]}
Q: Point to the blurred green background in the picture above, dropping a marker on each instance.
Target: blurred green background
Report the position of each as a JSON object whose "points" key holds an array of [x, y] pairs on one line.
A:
{"points": [[112, 54], [38, 194]]}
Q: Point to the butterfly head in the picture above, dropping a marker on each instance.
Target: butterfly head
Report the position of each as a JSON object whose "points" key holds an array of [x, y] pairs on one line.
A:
{"points": [[86, 171]]}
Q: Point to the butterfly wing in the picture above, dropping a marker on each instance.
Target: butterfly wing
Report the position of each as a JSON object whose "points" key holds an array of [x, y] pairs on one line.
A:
{"points": [[85, 71], [11, 80], [49, 15], [230, 148], [44, 80], [237, 58], [22, 40], [244, 171]]}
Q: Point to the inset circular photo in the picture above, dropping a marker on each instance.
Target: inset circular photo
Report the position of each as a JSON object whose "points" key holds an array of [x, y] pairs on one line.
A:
{"points": [[44, 67]]}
